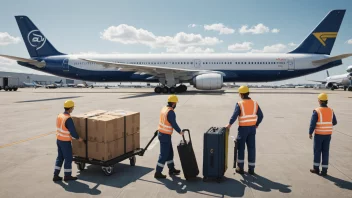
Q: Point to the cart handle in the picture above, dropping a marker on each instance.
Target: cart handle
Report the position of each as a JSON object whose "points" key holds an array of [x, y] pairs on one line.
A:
{"points": [[189, 135], [146, 147]]}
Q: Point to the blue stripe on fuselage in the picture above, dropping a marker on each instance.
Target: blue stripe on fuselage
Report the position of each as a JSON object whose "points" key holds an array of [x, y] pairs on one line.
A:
{"points": [[55, 67]]}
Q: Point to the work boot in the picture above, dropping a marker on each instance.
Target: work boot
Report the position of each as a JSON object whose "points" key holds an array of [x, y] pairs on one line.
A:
{"points": [[174, 172], [57, 178], [251, 171], [239, 170], [159, 175], [68, 178], [324, 173], [316, 171]]}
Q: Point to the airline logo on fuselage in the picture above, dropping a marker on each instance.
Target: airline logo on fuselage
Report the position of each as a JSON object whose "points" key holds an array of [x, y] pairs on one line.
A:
{"points": [[323, 36], [36, 39]]}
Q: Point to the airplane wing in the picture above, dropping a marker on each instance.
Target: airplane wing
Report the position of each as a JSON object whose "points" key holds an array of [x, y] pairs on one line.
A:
{"points": [[333, 58], [26, 60], [158, 71]]}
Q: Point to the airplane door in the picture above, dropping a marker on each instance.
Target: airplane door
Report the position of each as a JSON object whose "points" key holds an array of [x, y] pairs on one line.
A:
{"points": [[291, 64], [197, 63], [65, 66]]}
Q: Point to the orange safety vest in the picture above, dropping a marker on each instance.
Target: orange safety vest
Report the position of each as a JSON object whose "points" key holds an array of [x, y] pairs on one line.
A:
{"points": [[324, 122], [164, 125], [248, 116], [62, 133]]}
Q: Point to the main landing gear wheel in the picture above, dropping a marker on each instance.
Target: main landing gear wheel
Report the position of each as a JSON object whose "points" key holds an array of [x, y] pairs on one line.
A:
{"points": [[172, 90], [157, 90], [108, 170], [165, 90]]}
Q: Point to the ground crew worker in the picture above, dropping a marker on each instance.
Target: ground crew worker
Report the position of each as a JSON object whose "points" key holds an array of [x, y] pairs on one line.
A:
{"points": [[249, 117], [321, 123], [167, 124], [65, 130]]}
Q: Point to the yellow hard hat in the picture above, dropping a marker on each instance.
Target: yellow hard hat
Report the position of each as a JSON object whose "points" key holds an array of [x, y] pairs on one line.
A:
{"points": [[243, 89], [172, 98], [323, 97], [69, 104]]}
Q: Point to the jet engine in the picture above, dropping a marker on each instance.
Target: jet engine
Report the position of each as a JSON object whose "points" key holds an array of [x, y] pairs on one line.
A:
{"points": [[209, 81]]}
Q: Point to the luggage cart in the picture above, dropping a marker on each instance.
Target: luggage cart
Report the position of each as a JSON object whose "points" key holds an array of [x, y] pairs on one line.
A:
{"points": [[108, 166]]}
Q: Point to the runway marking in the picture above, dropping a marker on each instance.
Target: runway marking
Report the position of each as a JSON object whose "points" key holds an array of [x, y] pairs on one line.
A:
{"points": [[26, 140], [155, 142]]}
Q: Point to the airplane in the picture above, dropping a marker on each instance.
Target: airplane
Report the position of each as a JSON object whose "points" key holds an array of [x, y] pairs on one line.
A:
{"points": [[203, 71], [334, 82], [33, 84]]}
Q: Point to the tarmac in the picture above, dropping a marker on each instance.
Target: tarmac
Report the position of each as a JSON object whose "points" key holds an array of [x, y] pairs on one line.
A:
{"points": [[284, 152]]}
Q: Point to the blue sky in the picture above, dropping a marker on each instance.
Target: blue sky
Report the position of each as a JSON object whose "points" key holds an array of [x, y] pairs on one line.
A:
{"points": [[81, 27]]}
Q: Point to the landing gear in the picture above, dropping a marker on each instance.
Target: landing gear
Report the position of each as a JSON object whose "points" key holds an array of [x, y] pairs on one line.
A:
{"points": [[345, 88], [157, 90], [172, 90], [165, 90]]}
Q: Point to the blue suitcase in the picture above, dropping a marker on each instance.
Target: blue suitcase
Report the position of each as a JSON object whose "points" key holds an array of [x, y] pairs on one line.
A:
{"points": [[215, 153]]}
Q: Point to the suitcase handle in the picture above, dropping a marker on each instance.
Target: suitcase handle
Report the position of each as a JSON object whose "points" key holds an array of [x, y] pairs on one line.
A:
{"points": [[189, 135]]}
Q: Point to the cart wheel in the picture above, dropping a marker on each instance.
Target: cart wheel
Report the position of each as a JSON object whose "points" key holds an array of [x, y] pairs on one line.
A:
{"points": [[81, 166], [133, 161], [205, 179], [218, 180], [108, 170]]}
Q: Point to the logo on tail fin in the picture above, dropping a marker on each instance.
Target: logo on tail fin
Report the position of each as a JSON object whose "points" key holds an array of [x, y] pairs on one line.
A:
{"points": [[323, 36], [36, 39]]}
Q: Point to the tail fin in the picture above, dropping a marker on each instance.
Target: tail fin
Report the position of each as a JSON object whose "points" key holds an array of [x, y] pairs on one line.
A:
{"points": [[323, 37], [327, 73], [36, 43]]}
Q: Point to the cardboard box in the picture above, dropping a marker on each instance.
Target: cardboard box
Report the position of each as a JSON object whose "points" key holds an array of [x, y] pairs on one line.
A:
{"points": [[80, 121], [132, 120], [105, 151], [78, 148], [132, 142], [105, 128]]}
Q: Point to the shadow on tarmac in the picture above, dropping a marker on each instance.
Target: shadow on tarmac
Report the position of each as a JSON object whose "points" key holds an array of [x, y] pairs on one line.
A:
{"points": [[47, 99], [261, 183], [78, 187], [228, 186], [123, 175], [339, 182]]}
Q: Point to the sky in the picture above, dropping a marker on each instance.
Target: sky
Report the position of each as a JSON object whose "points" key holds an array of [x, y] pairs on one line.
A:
{"points": [[157, 26]]}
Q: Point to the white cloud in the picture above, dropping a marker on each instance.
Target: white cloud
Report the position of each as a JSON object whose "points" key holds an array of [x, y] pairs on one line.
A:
{"points": [[189, 49], [219, 27], [6, 39], [292, 44], [275, 30], [130, 35], [245, 46], [257, 29], [193, 25], [349, 41], [277, 48]]}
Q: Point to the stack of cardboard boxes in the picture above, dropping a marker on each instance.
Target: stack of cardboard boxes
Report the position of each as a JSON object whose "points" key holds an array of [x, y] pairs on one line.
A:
{"points": [[110, 134]]}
